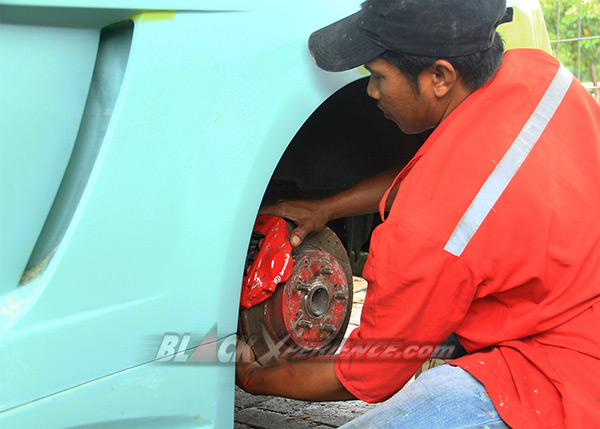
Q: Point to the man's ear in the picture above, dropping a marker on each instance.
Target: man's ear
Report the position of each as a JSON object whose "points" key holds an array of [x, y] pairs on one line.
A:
{"points": [[443, 78]]}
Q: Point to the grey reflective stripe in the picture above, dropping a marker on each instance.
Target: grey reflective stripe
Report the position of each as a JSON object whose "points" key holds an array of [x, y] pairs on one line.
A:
{"points": [[510, 163]]}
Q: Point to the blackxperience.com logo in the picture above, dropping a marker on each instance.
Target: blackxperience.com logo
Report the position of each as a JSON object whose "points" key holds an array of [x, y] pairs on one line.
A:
{"points": [[187, 348]]}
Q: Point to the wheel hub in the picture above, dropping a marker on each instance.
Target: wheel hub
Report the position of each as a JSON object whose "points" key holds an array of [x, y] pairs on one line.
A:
{"points": [[313, 300], [317, 301]]}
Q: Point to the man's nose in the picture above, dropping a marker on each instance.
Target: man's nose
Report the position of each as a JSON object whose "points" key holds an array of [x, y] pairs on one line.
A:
{"points": [[372, 90]]}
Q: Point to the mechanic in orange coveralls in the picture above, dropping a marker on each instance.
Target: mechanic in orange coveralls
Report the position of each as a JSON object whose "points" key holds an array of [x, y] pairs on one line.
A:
{"points": [[493, 230]]}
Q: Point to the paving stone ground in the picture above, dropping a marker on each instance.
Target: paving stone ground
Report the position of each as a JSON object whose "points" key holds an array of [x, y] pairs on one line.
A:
{"points": [[270, 412]]}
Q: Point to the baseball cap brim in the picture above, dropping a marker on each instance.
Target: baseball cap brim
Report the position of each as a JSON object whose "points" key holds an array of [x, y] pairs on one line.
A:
{"points": [[342, 46]]}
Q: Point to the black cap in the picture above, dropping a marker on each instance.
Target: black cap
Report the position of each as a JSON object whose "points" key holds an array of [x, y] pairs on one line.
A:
{"points": [[432, 28]]}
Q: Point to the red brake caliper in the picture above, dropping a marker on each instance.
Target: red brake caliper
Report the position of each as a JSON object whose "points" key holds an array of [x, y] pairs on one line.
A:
{"points": [[269, 260]]}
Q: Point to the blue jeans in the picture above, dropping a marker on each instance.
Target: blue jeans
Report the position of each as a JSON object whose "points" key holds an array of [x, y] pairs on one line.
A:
{"points": [[443, 397]]}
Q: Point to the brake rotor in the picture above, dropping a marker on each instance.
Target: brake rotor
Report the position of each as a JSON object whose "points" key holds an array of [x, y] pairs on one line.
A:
{"points": [[310, 311]]}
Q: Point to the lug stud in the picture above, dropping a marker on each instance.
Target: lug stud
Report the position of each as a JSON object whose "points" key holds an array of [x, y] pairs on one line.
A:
{"points": [[341, 296], [328, 327], [305, 324], [303, 287]]}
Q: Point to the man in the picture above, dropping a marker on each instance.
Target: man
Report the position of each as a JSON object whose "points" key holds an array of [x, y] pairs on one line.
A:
{"points": [[492, 231]]}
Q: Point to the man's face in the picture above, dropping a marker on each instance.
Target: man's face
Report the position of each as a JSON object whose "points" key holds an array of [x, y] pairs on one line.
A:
{"points": [[398, 100]]}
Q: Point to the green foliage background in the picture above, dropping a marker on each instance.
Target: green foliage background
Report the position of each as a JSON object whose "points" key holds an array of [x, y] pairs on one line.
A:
{"points": [[567, 52]]}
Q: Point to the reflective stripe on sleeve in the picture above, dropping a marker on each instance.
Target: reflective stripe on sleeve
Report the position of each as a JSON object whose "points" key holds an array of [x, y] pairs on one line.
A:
{"points": [[497, 182]]}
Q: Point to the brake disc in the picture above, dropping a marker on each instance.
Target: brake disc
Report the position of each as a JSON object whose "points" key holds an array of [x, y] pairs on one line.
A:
{"points": [[308, 313]]}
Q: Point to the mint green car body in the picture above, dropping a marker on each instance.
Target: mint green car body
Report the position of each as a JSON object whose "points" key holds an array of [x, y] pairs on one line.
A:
{"points": [[133, 161]]}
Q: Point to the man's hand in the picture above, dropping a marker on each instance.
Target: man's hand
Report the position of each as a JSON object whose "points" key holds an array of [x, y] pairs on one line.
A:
{"points": [[311, 379], [308, 215], [245, 366], [312, 215]]}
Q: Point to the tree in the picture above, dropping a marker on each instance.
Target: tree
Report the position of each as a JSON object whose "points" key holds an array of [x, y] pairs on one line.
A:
{"points": [[569, 28]]}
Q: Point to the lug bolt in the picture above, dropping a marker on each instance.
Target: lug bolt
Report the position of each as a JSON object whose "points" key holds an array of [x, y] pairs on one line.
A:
{"points": [[326, 271], [305, 324]]}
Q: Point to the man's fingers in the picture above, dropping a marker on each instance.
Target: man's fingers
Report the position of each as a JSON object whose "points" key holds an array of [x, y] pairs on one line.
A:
{"points": [[244, 352], [295, 241], [297, 236], [246, 366], [281, 209], [306, 214], [265, 210]]}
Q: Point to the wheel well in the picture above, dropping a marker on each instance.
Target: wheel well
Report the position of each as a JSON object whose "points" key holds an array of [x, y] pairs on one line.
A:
{"points": [[346, 140]]}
